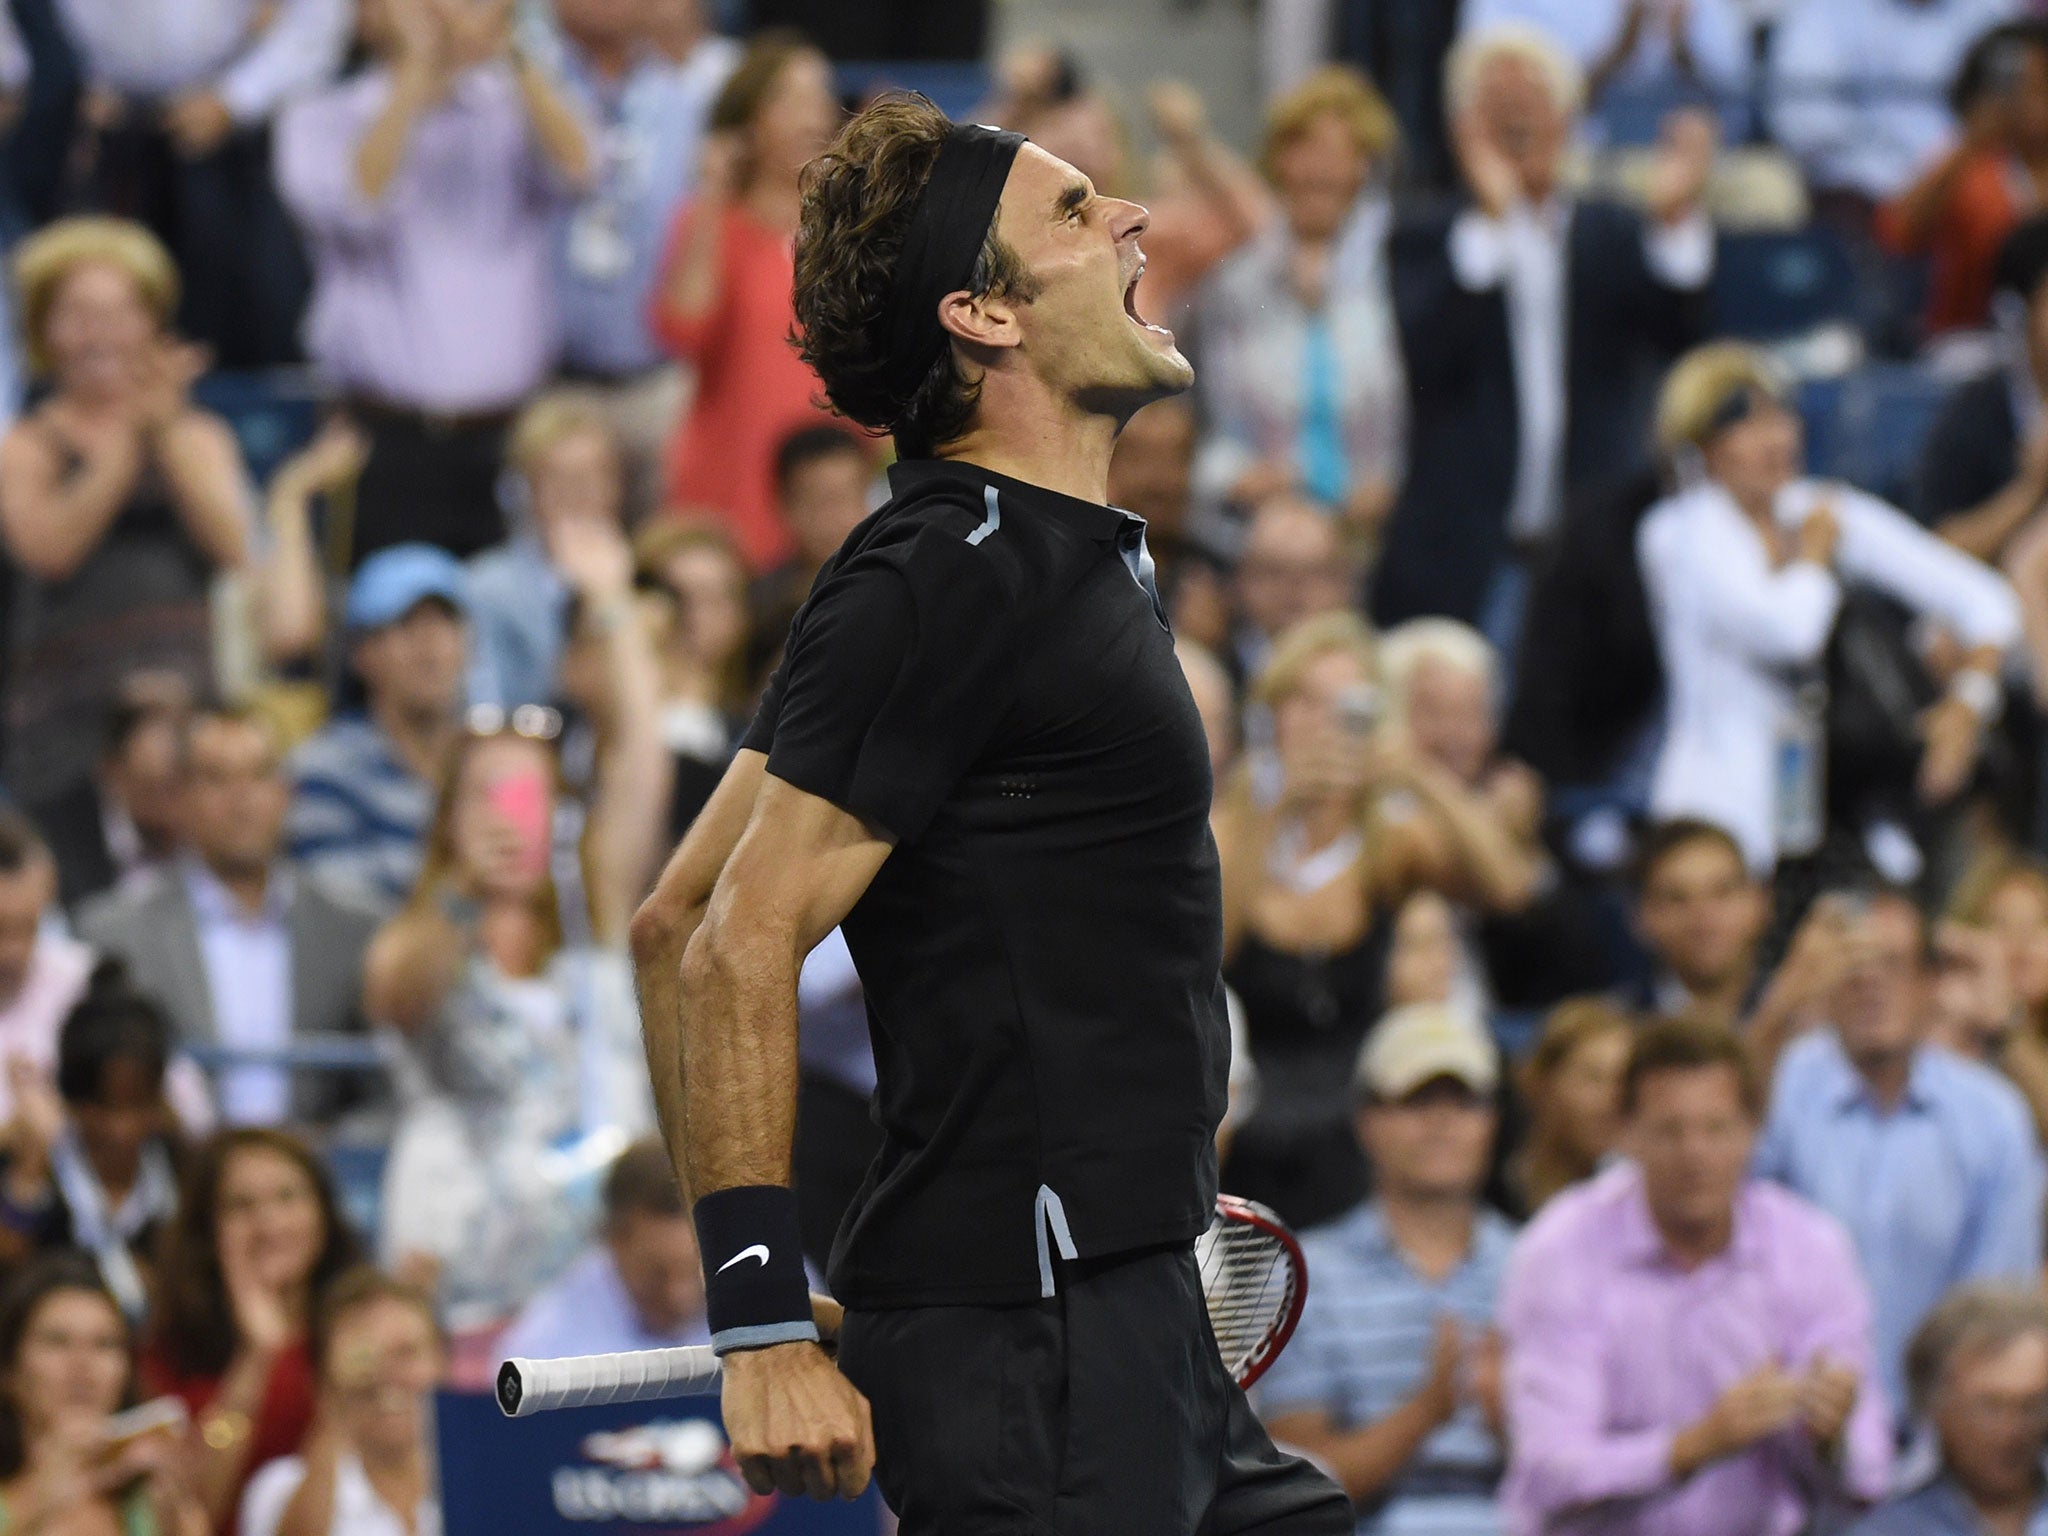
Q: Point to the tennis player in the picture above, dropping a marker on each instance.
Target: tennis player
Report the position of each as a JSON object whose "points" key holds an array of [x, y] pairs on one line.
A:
{"points": [[981, 760]]}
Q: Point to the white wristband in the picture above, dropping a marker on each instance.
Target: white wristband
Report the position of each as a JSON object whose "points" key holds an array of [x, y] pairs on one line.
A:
{"points": [[1980, 691]]}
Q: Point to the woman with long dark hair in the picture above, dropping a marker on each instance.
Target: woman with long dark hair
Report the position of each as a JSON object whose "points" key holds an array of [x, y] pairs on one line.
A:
{"points": [[65, 1366], [257, 1236]]}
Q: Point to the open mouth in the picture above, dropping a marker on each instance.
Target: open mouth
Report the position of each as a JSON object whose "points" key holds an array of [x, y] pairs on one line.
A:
{"points": [[1131, 305]]}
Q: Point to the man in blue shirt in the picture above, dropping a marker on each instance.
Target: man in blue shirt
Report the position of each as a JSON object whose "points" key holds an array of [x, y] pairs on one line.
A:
{"points": [[1979, 1369], [1928, 1159], [1392, 1379], [649, 111], [639, 1287]]}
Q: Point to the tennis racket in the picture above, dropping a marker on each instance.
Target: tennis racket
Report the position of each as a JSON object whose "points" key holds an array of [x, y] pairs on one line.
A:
{"points": [[1253, 1278]]}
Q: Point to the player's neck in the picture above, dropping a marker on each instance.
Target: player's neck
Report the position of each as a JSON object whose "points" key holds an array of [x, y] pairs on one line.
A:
{"points": [[1034, 441]]}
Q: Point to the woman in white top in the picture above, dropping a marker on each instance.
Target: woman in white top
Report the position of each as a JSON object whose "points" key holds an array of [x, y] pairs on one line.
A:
{"points": [[1744, 568], [366, 1469]]}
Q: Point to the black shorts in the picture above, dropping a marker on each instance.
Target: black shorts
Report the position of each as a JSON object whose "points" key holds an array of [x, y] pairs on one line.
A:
{"points": [[1103, 1411]]}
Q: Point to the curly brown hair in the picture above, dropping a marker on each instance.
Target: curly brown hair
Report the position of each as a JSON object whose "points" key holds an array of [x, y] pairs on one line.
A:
{"points": [[858, 198]]}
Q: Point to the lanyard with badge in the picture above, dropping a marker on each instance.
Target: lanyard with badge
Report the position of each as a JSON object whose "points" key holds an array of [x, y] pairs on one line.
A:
{"points": [[599, 250]]}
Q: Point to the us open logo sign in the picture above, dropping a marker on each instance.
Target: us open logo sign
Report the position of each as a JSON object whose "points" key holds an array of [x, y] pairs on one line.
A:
{"points": [[627, 1469], [671, 1474]]}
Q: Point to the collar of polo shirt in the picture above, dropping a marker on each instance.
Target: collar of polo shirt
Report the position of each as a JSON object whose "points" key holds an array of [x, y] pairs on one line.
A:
{"points": [[1108, 524]]}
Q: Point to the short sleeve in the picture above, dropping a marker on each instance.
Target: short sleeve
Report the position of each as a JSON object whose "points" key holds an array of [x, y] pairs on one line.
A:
{"points": [[760, 735], [270, 1492], [897, 679]]}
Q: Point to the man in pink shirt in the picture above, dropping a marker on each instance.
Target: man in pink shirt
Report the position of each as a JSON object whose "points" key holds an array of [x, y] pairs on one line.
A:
{"points": [[1689, 1349]]}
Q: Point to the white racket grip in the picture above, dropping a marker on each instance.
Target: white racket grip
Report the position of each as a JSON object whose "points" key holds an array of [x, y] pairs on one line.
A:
{"points": [[584, 1381]]}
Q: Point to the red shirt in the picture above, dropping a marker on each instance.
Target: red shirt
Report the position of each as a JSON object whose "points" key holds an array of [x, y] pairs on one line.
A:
{"points": [[1990, 198], [752, 388], [277, 1428]]}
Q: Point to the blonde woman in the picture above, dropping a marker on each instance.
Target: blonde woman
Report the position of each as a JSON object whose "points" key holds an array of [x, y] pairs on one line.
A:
{"points": [[1301, 367], [119, 499], [1313, 875], [1745, 566]]}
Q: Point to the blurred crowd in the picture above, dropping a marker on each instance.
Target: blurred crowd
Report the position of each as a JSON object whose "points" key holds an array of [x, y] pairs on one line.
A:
{"points": [[1607, 542]]}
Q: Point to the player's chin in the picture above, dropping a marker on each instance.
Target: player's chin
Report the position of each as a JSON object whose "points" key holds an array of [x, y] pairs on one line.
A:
{"points": [[1160, 360], [1171, 373]]}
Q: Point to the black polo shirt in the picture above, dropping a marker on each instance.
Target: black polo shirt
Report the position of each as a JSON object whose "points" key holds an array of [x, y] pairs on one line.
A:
{"points": [[981, 674]]}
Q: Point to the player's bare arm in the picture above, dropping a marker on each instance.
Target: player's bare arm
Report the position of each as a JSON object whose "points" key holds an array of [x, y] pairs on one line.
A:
{"points": [[668, 920], [801, 863]]}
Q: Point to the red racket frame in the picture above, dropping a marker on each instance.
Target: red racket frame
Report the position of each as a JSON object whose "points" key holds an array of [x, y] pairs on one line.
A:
{"points": [[1250, 1213]]}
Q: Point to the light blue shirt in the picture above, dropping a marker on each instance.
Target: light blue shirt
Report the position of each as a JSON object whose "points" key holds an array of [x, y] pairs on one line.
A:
{"points": [[248, 961], [518, 604], [649, 135], [1363, 1349], [1946, 1187], [587, 1312], [359, 815], [1859, 88], [1939, 1509]]}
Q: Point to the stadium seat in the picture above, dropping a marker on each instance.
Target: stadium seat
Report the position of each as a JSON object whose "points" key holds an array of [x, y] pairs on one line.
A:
{"points": [[358, 1170], [1820, 408], [1772, 285], [1885, 413], [1633, 114], [274, 413], [956, 88]]}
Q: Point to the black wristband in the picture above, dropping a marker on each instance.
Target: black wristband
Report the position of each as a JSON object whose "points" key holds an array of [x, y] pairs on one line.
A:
{"points": [[755, 1289]]}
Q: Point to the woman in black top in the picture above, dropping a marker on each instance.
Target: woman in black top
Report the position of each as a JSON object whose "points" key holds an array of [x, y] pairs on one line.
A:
{"points": [[1313, 875], [119, 499]]}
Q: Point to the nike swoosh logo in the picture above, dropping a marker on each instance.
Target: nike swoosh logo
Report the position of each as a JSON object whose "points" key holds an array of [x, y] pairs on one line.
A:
{"points": [[757, 1251]]}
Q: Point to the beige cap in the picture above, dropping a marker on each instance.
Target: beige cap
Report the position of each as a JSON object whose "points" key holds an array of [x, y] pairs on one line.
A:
{"points": [[1412, 1045]]}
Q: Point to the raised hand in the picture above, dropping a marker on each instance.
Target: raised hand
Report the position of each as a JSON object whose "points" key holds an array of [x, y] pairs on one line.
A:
{"points": [[199, 123], [592, 554], [333, 458], [37, 1122], [1178, 115], [263, 1319], [1486, 1365], [1953, 733], [163, 391], [1490, 174], [1439, 1391], [1826, 1396], [473, 31], [1754, 1408], [720, 161], [1686, 144], [1819, 535], [420, 33]]}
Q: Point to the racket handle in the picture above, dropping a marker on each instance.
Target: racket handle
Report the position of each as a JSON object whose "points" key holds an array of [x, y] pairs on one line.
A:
{"points": [[586, 1381]]}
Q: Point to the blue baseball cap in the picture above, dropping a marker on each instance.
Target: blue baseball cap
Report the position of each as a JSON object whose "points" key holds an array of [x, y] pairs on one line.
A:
{"points": [[394, 581]]}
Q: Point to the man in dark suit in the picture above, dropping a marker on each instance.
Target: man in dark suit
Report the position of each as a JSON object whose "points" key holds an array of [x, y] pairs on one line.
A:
{"points": [[118, 822], [1536, 327], [245, 952]]}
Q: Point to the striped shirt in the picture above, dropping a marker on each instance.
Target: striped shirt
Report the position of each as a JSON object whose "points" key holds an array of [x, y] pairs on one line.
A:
{"points": [[359, 815], [1363, 1349]]}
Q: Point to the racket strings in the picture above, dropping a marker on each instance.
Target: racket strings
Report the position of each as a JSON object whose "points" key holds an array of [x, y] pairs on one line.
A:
{"points": [[1248, 1283]]}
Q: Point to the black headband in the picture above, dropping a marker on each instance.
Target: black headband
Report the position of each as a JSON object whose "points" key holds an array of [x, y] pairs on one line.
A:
{"points": [[1737, 406], [948, 227]]}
